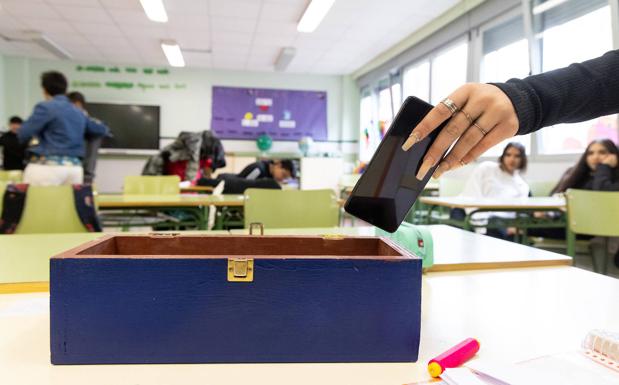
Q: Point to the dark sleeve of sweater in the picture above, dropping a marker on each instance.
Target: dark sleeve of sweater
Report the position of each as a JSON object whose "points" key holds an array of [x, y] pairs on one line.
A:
{"points": [[576, 93], [603, 179]]}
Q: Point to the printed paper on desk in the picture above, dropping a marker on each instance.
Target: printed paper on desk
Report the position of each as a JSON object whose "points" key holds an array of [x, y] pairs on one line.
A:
{"points": [[464, 376], [565, 369]]}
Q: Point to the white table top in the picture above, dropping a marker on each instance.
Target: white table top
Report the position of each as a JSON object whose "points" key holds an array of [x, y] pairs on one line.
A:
{"points": [[454, 249], [515, 314], [536, 203]]}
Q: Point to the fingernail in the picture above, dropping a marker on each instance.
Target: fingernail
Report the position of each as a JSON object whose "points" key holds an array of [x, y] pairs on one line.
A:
{"points": [[438, 172], [412, 139], [425, 166]]}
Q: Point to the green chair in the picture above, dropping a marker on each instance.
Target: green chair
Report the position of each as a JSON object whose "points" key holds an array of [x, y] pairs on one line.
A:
{"points": [[592, 213], [2, 189], [14, 176], [152, 185], [291, 208], [541, 188], [50, 209]]}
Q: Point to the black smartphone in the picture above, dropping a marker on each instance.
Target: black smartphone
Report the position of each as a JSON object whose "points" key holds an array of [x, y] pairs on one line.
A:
{"points": [[388, 188]]}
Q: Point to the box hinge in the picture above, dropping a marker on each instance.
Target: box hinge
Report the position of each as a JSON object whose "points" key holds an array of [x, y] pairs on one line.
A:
{"points": [[240, 270]]}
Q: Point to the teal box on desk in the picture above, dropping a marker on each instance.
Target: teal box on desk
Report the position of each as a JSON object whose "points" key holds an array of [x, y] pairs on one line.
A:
{"points": [[227, 299]]}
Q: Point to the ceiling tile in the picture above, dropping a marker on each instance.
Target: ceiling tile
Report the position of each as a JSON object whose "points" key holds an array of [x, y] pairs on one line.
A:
{"points": [[81, 3], [132, 18], [95, 29], [122, 4], [232, 24], [274, 39], [49, 26], [234, 8], [84, 14], [231, 49], [277, 28], [232, 38], [290, 12], [25, 8]]}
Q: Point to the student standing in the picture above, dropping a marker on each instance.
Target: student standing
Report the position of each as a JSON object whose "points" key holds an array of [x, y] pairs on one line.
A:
{"points": [[56, 131], [93, 142], [12, 150]]}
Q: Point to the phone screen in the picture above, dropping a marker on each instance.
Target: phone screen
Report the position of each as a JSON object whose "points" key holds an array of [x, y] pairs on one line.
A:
{"points": [[388, 188]]}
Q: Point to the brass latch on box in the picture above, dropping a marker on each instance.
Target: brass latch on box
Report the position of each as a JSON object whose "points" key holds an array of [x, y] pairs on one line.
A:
{"points": [[240, 270]]}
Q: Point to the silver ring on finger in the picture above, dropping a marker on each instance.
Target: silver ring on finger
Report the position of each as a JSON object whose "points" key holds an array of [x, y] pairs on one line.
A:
{"points": [[451, 106], [483, 132]]}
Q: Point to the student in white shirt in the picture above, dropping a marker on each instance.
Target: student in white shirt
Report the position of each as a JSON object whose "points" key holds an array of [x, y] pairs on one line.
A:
{"points": [[499, 181]]}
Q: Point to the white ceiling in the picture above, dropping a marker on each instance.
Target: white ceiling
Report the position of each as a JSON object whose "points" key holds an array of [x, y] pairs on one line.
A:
{"points": [[242, 34]]}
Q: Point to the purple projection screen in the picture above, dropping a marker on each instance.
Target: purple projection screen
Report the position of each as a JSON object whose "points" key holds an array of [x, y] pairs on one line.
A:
{"points": [[246, 113]]}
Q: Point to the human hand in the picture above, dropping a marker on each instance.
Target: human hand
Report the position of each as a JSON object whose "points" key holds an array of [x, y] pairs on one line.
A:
{"points": [[611, 160], [485, 117]]}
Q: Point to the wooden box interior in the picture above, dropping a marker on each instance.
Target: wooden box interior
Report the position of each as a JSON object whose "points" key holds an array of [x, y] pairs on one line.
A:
{"points": [[187, 246]]}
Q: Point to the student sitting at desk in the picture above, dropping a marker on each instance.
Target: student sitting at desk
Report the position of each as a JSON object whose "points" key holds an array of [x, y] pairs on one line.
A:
{"points": [[264, 174], [498, 180], [597, 169], [279, 170]]}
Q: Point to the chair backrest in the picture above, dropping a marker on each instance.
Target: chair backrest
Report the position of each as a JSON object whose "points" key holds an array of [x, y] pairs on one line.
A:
{"points": [[50, 209], [541, 188], [450, 187], [152, 185], [291, 208], [14, 176], [593, 212], [2, 189]]}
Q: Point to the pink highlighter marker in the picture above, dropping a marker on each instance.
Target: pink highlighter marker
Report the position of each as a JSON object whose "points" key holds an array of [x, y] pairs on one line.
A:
{"points": [[454, 357]]}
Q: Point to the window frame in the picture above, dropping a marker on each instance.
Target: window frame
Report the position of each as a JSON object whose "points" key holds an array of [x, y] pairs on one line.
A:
{"points": [[474, 37]]}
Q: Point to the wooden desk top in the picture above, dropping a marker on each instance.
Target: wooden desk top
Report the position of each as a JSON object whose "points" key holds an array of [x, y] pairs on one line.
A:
{"points": [[516, 314], [455, 249], [535, 203], [109, 201], [198, 189]]}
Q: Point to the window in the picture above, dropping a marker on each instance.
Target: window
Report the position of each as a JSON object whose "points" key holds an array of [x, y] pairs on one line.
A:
{"points": [[396, 91], [573, 31], [368, 137], [448, 71], [505, 55], [416, 81]]}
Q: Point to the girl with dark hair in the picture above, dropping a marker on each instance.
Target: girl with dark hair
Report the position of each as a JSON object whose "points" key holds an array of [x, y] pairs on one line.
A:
{"points": [[497, 180], [597, 169], [502, 179]]}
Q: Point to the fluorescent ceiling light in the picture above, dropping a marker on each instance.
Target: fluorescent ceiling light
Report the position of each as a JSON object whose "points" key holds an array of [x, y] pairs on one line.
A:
{"points": [[543, 7], [155, 10], [313, 15], [173, 53], [284, 58]]}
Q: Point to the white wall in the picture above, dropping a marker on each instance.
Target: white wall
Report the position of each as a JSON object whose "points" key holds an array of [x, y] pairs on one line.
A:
{"points": [[187, 109]]}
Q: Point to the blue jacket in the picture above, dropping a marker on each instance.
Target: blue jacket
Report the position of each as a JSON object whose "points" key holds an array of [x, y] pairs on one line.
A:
{"points": [[60, 128]]}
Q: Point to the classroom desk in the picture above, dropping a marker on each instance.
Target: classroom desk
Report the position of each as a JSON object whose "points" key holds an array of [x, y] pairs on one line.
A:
{"points": [[524, 207], [197, 189], [454, 249], [24, 258], [196, 204], [515, 313]]}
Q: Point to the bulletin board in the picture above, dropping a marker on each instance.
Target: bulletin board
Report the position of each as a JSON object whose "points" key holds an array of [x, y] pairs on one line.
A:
{"points": [[246, 113]]}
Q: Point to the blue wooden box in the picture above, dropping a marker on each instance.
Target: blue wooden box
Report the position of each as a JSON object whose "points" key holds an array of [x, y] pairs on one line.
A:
{"points": [[232, 299]]}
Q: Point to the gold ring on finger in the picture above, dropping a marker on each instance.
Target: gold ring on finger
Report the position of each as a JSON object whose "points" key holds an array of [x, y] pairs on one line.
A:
{"points": [[483, 132], [467, 116]]}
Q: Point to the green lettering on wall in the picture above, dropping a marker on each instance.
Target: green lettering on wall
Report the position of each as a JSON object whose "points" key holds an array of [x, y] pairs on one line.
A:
{"points": [[164, 86], [145, 86], [147, 71], [114, 69], [79, 68], [84, 84], [131, 70], [163, 71], [94, 68], [119, 85], [180, 86]]}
